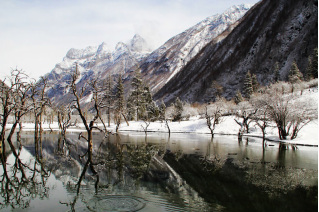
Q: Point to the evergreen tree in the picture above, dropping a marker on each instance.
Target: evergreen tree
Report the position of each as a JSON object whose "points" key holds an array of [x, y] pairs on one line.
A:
{"points": [[137, 94], [162, 110], [119, 103], [308, 75], [277, 73], [294, 75], [152, 111], [150, 106], [238, 97], [130, 108], [109, 97], [178, 110], [255, 83], [315, 63], [248, 85], [147, 95]]}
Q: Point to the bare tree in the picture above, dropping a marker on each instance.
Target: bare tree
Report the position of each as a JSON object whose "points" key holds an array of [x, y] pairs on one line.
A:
{"points": [[289, 112], [18, 190], [169, 114], [40, 102], [14, 101], [90, 125], [7, 107], [147, 124], [261, 117], [246, 111], [214, 114], [64, 119]]}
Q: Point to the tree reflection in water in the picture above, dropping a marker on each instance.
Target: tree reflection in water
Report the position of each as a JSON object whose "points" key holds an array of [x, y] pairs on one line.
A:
{"points": [[113, 164], [125, 167], [22, 180]]}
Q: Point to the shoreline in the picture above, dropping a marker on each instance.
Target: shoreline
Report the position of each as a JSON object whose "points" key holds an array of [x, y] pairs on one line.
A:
{"points": [[308, 136]]}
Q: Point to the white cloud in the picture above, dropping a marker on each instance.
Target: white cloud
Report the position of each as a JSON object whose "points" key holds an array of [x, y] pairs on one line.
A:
{"points": [[35, 35]]}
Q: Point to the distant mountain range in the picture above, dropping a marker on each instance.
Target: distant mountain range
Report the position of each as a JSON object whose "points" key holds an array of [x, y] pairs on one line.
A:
{"points": [[221, 48]]}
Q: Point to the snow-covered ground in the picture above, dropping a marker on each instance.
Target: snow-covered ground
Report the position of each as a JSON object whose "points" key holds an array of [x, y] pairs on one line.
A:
{"points": [[308, 135]]}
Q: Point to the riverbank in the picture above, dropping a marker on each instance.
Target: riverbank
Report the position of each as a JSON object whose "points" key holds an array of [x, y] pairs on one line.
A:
{"points": [[308, 135]]}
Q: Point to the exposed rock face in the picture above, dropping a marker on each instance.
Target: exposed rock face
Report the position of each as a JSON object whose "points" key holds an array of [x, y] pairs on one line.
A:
{"points": [[272, 31], [166, 61]]}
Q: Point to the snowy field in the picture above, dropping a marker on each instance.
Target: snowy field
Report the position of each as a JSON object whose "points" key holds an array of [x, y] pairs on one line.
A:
{"points": [[308, 135]]}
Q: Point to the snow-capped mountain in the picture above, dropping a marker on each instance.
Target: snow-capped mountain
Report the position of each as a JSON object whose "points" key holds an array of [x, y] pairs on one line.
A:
{"points": [[157, 67], [280, 31], [98, 61], [165, 62]]}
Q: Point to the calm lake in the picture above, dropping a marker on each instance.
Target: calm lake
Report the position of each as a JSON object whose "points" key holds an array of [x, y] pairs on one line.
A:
{"points": [[180, 172]]}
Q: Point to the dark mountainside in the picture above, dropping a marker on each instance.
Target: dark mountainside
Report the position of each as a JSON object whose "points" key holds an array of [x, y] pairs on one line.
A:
{"points": [[272, 31], [163, 63]]}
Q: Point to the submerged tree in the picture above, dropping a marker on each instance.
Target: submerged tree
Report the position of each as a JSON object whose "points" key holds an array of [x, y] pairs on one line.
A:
{"points": [[40, 101], [64, 118], [14, 101], [7, 107], [97, 100], [21, 183]]}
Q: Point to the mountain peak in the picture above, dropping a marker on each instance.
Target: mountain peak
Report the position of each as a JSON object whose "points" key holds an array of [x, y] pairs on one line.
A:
{"points": [[102, 48], [138, 44], [120, 46], [81, 53]]}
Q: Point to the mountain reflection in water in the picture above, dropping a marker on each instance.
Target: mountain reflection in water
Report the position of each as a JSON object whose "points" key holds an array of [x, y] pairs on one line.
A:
{"points": [[183, 172]]}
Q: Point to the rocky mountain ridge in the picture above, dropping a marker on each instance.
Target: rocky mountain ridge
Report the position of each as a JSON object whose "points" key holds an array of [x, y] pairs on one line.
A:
{"points": [[272, 31], [165, 62], [98, 61], [157, 67]]}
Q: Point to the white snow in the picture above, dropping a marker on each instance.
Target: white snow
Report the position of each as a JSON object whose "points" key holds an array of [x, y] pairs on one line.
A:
{"points": [[192, 40], [196, 124], [307, 136]]}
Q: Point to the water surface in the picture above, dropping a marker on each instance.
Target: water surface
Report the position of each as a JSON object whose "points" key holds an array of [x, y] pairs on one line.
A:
{"points": [[180, 172]]}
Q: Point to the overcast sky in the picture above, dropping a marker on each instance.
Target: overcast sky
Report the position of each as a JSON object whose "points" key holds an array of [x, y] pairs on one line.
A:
{"points": [[36, 34]]}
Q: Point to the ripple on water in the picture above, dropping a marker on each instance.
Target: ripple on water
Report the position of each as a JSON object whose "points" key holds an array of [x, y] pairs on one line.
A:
{"points": [[116, 203]]}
